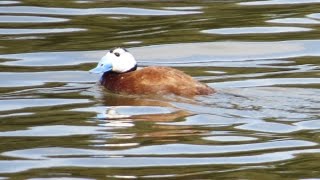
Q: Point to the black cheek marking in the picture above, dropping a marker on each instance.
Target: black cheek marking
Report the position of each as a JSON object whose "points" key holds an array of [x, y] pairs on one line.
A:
{"points": [[111, 50]]}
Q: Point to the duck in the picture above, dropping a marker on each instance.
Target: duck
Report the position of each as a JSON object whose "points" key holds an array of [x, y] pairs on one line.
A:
{"points": [[121, 75]]}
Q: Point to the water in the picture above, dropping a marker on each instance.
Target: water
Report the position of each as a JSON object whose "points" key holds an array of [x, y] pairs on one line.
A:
{"points": [[261, 56]]}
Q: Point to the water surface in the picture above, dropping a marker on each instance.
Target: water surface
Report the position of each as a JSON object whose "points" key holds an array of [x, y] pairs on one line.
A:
{"points": [[262, 57]]}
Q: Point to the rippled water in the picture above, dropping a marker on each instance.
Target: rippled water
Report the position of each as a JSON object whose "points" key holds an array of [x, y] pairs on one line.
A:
{"points": [[261, 56]]}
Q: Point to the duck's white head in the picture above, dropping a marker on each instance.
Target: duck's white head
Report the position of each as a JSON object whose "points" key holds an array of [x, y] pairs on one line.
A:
{"points": [[116, 60]]}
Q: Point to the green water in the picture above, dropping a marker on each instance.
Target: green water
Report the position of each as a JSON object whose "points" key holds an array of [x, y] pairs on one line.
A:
{"points": [[262, 57]]}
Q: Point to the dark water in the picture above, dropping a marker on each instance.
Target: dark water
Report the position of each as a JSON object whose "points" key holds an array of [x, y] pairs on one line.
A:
{"points": [[261, 56]]}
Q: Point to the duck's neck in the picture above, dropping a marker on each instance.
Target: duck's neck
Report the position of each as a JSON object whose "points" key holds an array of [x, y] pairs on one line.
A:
{"points": [[112, 75], [117, 73]]}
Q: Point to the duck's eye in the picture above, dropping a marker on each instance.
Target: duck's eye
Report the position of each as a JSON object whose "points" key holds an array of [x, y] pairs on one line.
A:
{"points": [[101, 64], [117, 54]]}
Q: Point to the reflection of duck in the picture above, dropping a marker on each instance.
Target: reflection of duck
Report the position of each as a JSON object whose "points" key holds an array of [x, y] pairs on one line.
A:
{"points": [[120, 76]]}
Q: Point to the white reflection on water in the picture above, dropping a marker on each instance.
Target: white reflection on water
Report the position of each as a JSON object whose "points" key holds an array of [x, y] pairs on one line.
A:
{"points": [[256, 30], [9, 2], [29, 19], [272, 127], [16, 114], [279, 2], [92, 11], [127, 111], [314, 15], [294, 21], [6, 31], [54, 131], [40, 78], [229, 138], [184, 8], [14, 104], [312, 124]]}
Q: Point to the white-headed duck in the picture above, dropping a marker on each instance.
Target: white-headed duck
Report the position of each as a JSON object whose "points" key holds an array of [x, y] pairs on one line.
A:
{"points": [[120, 75]]}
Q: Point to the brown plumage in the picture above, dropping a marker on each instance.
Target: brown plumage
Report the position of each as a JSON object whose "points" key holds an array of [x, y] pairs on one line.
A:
{"points": [[154, 81]]}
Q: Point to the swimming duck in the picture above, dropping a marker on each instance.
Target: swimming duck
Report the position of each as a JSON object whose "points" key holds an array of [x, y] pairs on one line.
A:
{"points": [[120, 75]]}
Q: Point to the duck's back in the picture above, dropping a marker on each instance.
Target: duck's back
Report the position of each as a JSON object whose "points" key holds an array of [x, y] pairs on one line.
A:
{"points": [[155, 80]]}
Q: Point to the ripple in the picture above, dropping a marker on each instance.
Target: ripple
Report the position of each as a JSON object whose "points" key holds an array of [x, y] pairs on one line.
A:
{"points": [[184, 8], [83, 1], [251, 107], [116, 124], [14, 104], [314, 15], [8, 2], [170, 149], [209, 120], [229, 138], [271, 127], [54, 131], [16, 114], [225, 54], [312, 124], [173, 149], [256, 30], [256, 105], [29, 19], [132, 42], [53, 58], [266, 82], [119, 145], [13, 166], [92, 11], [40, 78], [62, 178], [294, 21], [27, 37], [7, 31], [279, 2], [120, 112], [128, 110]]}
